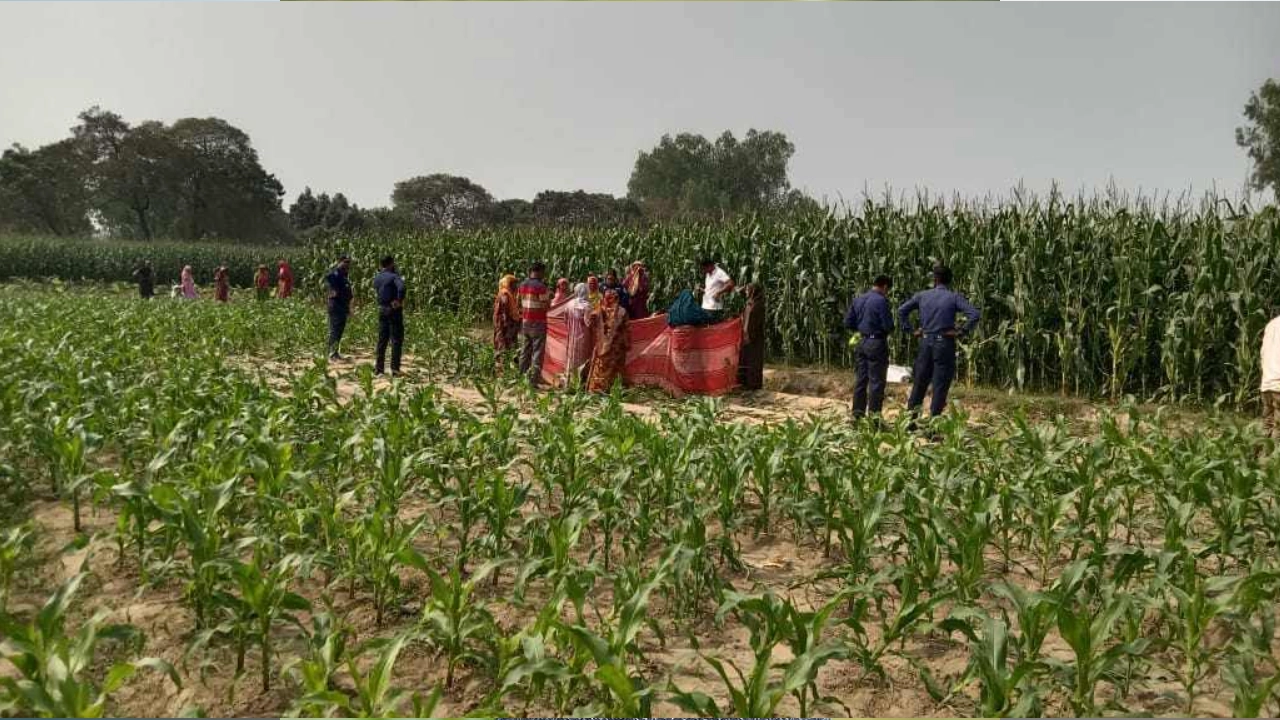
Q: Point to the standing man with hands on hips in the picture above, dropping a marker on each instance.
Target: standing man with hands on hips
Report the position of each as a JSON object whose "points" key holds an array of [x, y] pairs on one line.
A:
{"points": [[869, 316], [936, 362]]}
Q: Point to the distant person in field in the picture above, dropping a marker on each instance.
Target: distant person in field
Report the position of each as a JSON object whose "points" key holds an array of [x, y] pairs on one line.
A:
{"points": [[221, 284], [506, 320], [935, 366], [389, 288], [188, 284], [1271, 378], [562, 293], [578, 347], [262, 282], [534, 299], [339, 304], [146, 280], [751, 357], [284, 279], [609, 330], [869, 316], [637, 286], [611, 282], [593, 291]]}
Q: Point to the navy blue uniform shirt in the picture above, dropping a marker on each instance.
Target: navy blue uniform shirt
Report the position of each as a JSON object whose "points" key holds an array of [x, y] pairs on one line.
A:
{"points": [[388, 286], [340, 286], [938, 307], [869, 314]]}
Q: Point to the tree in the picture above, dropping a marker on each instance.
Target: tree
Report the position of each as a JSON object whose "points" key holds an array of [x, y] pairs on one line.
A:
{"points": [[44, 191], [689, 173], [304, 213], [580, 207], [197, 178], [136, 188], [442, 201], [514, 211], [226, 192], [1261, 137]]}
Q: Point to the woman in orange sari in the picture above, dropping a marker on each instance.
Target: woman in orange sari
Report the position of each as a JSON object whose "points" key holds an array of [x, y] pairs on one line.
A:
{"points": [[609, 327], [506, 319]]}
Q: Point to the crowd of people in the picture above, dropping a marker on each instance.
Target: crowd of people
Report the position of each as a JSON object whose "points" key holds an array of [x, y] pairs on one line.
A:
{"points": [[596, 315], [187, 289]]}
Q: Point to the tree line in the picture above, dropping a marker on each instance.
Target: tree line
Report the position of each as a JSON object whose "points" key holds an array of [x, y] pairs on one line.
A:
{"points": [[202, 179]]}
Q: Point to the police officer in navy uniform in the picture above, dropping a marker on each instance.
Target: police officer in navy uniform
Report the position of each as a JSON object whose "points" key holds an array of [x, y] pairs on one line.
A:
{"points": [[869, 316], [388, 286], [936, 363], [339, 303]]}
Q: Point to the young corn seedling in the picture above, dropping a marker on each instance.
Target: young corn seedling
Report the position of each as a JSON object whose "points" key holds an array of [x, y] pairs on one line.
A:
{"points": [[54, 663], [455, 623], [1088, 625], [326, 654], [629, 693], [263, 600], [1194, 604], [16, 546]]}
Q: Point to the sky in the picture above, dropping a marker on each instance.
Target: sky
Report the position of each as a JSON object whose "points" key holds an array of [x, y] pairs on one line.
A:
{"points": [[967, 98]]}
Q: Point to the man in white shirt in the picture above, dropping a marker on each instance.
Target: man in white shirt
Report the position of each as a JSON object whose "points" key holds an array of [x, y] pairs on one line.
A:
{"points": [[1271, 378], [716, 285]]}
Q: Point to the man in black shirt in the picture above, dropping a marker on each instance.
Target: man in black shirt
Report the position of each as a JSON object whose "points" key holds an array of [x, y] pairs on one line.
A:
{"points": [[146, 283], [339, 304], [388, 286]]}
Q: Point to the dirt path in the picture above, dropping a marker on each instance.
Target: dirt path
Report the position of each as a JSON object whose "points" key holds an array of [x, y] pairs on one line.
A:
{"points": [[765, 406]]}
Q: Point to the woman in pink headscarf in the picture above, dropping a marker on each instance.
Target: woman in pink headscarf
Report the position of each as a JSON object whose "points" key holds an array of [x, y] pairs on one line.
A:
{"points": [[188, 284], [562, 292], [579, 346]]}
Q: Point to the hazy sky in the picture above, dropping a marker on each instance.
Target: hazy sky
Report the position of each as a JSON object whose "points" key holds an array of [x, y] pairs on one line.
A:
{"points": [[520, 97]]}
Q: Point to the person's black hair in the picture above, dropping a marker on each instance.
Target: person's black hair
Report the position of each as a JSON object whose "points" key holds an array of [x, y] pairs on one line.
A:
{"points": [[388, 261], [537, 267], [883, 281], [343, 256], [942, 274], [612, 272], [708, 260]]}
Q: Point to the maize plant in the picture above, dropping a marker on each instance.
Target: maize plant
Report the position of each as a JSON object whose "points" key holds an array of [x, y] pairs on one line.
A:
{"points": [[565, 555]]}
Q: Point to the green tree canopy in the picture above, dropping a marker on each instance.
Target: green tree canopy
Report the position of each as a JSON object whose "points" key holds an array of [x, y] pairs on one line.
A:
{"points": [[689, 173], [1261, 136], [581, 208], [442, 201], [42, 190]]}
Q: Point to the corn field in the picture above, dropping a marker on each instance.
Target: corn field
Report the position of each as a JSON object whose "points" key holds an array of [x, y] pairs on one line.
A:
{"points": [[1101, 297], [317, 546]]}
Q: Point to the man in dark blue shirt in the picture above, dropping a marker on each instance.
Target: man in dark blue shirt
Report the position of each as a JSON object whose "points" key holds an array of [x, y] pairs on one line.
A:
{"points": [[339, 303], [869, 316], [936, 362], [388, 286]]}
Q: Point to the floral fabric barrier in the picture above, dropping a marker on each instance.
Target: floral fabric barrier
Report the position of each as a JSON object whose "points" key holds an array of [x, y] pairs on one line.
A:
{"points": [[682, 360]]}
